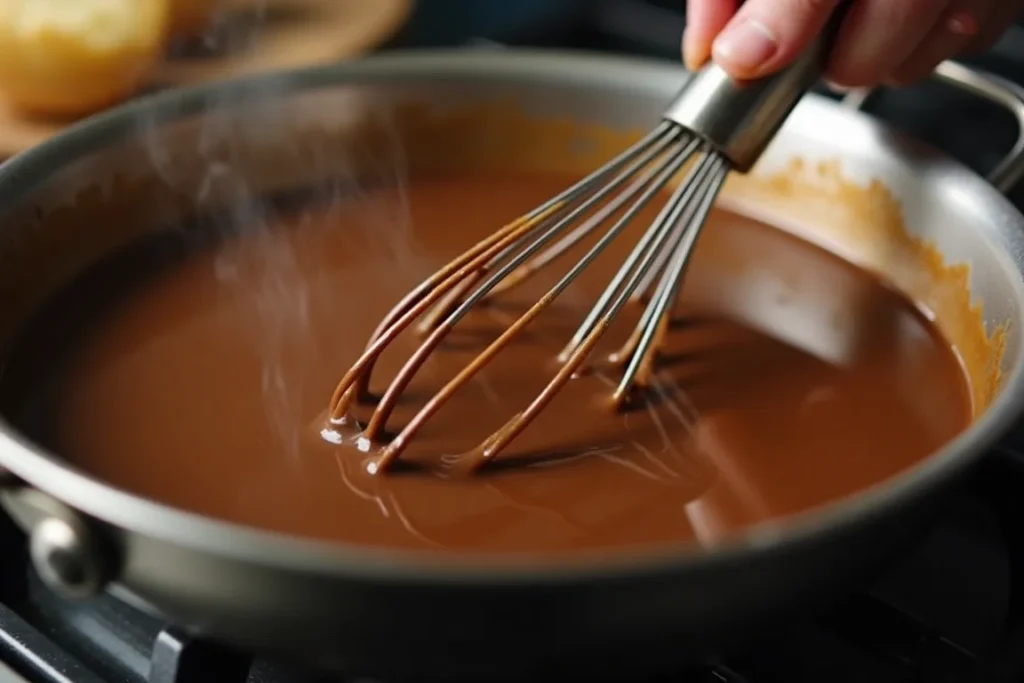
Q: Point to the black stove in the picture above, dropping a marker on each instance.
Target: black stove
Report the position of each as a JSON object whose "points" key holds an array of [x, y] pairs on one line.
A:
{"points": [[951, 610]]}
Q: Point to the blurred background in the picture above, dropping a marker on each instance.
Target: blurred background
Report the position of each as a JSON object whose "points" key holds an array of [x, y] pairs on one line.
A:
{"points": [[61, 60]]}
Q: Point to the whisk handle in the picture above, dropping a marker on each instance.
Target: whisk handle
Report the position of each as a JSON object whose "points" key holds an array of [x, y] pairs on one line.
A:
{"points": [[740, 118]]}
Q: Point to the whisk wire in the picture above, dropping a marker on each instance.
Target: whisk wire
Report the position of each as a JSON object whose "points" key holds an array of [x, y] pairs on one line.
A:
{"points": [[665, 232], [562, 223], [658, 177], [449, 285], [545, 210], [663, 302], [639, 259], [522, 248], [682, 211], [577, 234], [355, 382], [713, 166]]}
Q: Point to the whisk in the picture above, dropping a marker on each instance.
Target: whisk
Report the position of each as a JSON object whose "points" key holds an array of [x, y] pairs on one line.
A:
{"points": [[715, 124]]}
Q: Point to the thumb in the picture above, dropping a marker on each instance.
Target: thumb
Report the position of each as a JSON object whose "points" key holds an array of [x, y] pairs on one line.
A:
{"points": [[705, 19], [766, 35]]}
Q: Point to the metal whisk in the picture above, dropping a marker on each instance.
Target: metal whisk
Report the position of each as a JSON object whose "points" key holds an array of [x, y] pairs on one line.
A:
{"points": [[715, 122]]}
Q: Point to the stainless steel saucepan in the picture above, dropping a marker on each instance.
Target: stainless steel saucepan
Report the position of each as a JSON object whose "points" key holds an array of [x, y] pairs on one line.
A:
{"points": [[69, 202]]}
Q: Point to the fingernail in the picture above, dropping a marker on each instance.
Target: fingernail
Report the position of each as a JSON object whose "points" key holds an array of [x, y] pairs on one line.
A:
{"points": [[745, 47]]}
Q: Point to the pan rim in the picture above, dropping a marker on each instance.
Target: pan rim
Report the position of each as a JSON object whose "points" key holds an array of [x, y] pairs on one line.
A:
{"points": [[135, 514]]}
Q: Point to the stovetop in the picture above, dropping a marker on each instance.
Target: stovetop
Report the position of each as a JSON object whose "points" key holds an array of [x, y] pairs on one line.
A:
{"points": [[950, 611]]}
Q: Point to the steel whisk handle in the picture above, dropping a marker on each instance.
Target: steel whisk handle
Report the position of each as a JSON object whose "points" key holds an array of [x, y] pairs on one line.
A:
{"points": [[740, 118]]}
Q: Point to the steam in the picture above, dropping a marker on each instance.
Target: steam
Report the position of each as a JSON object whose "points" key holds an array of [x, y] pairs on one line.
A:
{"points": [[264, 272]]}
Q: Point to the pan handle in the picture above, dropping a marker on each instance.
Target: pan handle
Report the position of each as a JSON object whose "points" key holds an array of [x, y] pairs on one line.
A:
{"points": [[995, 89]]}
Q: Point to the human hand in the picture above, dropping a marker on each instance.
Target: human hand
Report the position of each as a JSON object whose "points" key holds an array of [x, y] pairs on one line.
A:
{"points": [[880, 41]]}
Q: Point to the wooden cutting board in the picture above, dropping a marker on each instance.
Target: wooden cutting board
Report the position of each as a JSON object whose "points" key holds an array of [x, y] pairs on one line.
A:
{"points": [[294, 33]]}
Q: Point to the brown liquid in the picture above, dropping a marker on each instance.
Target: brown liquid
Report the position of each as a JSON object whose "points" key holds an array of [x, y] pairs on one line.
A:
{"points": [[790, 379]]}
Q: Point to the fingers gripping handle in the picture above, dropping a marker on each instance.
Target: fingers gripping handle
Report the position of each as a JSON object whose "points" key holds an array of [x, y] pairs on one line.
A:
{"points": [[741, 117]]}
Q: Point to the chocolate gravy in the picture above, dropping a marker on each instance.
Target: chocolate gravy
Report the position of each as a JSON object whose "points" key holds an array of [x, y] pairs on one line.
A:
{"points": [[789, 379]]}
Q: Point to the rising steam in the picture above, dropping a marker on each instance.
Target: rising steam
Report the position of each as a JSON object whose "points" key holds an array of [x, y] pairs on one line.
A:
{"points": [[277, 308]]}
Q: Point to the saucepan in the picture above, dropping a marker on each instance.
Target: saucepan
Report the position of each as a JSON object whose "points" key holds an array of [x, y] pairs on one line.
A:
{"points": [[834, 175]]}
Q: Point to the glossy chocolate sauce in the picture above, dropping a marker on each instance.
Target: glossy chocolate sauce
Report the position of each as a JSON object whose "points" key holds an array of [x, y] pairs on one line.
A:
{"points": [[789, 379]]}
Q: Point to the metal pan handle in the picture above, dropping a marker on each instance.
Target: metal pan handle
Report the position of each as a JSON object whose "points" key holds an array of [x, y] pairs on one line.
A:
{"points": [[995, 89]]}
